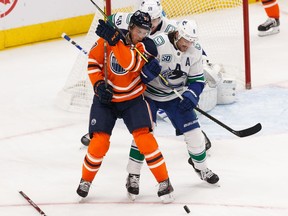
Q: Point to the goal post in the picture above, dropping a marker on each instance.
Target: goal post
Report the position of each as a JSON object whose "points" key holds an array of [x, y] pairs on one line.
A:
{"points": [[223, 33], [246, 30]]}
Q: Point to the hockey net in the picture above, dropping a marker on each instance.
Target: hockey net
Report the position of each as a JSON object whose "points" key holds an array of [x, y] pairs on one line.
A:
{"points": [[220, 24]]}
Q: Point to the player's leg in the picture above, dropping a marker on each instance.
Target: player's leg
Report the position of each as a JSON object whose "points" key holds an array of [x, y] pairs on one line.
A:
{"points": [[135, 163], [186, 123], [102, 121], [271, 25], [138, 120]]}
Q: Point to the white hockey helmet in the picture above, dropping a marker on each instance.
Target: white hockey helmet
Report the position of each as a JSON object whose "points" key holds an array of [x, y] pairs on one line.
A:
{"points": [[153, 7], [188, 30]]}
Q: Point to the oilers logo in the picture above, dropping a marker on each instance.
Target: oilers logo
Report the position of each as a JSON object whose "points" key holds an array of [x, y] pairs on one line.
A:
{"points": [[176, 78], [115, 67]]}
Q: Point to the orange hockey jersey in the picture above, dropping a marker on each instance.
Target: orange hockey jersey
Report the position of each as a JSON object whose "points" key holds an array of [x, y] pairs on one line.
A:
{"points": [[123, 67]]}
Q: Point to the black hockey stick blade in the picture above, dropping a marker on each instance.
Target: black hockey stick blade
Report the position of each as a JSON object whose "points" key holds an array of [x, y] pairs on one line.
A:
{"points": [[249, 131], [241, 133]]}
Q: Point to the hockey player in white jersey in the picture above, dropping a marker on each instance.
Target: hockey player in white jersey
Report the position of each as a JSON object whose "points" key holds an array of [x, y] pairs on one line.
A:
{"points": [[180, 56], [160, 23]]}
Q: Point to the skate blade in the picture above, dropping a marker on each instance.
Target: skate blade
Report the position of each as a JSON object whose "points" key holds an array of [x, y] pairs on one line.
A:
{"points": [[167, 198], [80, 199], [207, 184], [131, 197], [214, 185], [274, 30]]}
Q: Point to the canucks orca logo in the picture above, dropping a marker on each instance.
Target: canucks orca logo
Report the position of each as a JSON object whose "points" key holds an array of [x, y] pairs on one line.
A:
{"points": [[176, 78], [176, 74], [119, 20], [115, 67]]}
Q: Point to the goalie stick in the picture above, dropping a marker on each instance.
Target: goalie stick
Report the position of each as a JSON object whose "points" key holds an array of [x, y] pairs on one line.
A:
{"points": [[32, 203]]}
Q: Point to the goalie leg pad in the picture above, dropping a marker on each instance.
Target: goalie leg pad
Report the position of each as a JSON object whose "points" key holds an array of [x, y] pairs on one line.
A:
{"points": [[208, 98], [226, 91]]}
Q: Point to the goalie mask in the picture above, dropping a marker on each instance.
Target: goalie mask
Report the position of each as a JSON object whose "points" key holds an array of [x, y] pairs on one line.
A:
{"points": [[153, 7], [188, 30]]}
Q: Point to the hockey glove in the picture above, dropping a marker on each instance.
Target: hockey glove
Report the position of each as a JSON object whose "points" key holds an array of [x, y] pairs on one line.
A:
{"points": [[189, 102], [104, 93], [108, 33], [150, 70]]}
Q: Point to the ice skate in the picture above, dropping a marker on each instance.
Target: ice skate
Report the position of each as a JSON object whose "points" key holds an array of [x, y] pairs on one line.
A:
{"points": [[83, 188], [165, 191], [206, 174], [132, 185], [271, 26]]}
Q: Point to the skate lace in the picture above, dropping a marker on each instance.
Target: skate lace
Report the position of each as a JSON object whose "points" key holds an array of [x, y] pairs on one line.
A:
{"points": [[84, 186], [134, 181], [206, 174], [163, 185], [268, 22]]}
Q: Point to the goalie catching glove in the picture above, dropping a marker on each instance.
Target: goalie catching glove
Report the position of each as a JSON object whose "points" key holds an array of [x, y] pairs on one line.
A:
{"points": [[108, 33], [104, 93], [150, 70]]}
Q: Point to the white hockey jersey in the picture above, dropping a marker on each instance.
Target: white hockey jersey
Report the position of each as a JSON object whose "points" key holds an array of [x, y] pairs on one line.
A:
{"points": [[178, 68]]}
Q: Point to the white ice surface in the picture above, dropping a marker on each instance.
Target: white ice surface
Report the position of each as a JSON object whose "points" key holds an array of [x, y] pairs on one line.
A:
{"points": [[39, 143]]}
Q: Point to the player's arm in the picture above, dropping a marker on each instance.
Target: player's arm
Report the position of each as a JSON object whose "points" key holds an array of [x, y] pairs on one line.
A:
{"points": [[95, 62], [130, 59], [195, 84]]}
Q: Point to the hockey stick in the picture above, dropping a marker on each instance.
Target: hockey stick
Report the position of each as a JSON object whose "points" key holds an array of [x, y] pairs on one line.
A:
{"points": [[240, 133], [32, 203], [105, 53], [66, 37]]}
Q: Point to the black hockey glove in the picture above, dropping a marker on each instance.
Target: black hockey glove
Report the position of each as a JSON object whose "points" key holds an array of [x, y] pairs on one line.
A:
{"points": [[150, 70], [104, 93], [108, 33], [189, 102]]}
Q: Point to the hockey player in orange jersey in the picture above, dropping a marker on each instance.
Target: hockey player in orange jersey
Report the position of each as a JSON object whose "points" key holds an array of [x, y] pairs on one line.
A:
{"points": [[119, 89], [271, 26]]}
